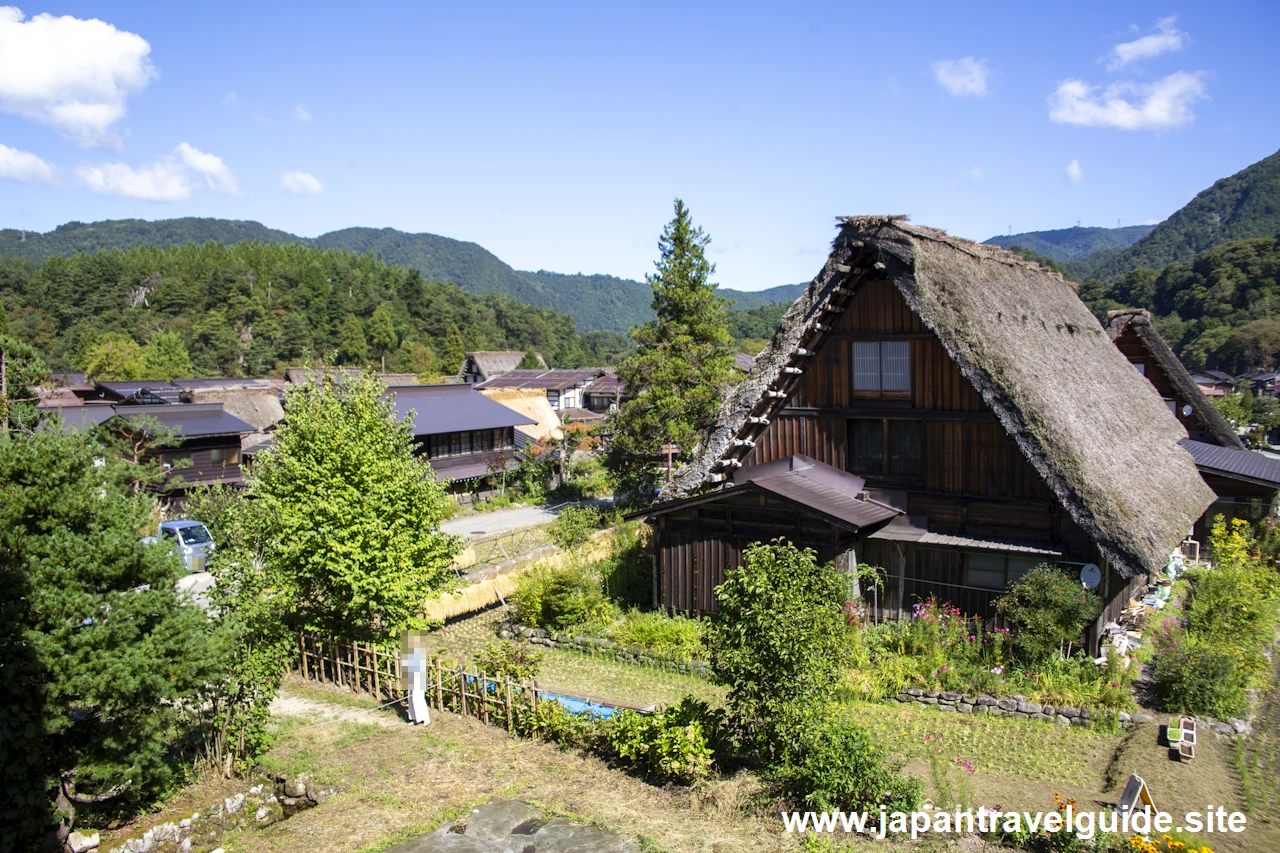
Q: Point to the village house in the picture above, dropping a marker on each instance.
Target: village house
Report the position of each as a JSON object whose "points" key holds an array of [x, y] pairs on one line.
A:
{"points": [[490, 364], [943, 410], [207, 448], [1246, 482], [470, 439], [605, 393], [564, 388]]}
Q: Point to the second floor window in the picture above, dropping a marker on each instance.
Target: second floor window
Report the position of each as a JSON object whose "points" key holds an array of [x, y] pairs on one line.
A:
{"points": [[885, 447], [881, 366]]}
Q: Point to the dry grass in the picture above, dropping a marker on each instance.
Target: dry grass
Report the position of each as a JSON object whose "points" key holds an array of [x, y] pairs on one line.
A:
{"points": [[402, 781]]}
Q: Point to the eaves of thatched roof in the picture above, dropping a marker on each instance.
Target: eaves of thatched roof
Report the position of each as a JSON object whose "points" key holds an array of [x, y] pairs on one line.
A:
{"points": [[1077, 409], [1138, 321]]}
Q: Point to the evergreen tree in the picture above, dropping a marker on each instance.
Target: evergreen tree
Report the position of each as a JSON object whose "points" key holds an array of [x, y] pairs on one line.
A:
{"points": [[453, 353], [22, 369], [165, 357], [530, 361], [356, 513], [352, 346], [100, 652], [382, 332], [682, 366]]}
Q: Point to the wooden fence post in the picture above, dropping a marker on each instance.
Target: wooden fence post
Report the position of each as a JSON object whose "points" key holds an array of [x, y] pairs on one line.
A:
{"points": [[302, 646], [377, 688], [462, 687], [510, 724]]}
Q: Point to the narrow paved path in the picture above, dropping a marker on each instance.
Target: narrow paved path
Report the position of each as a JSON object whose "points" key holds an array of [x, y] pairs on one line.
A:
{"points": [[479, 524]]}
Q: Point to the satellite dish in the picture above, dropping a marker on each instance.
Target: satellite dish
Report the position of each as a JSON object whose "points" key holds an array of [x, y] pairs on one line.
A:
{"points": [[1186, 411], [1090, 575]]}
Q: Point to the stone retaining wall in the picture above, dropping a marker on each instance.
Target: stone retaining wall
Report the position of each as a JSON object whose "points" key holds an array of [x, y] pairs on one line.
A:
{"points": [[600, 647], [1017, 708]]}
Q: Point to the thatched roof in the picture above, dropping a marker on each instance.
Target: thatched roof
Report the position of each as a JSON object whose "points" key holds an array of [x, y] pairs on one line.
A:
{"points": [[258, 406], [1080, 413], [1138, 321], [491, 363], [533, 404]]}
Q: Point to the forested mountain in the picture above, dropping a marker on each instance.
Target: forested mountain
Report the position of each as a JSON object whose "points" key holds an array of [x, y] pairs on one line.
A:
{"points": [[1240, 207], [1073, 244], [594, 301], [1220, 310], [252, 309]]}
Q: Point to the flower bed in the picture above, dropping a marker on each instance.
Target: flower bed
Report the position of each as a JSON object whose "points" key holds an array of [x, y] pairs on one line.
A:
{"points": [[1019, 708]]}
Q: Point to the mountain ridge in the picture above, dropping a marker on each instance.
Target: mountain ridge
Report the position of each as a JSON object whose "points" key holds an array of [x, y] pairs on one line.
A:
{"points": [[595, 301]]}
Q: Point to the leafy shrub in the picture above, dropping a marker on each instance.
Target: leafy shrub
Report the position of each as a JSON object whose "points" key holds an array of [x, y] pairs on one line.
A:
{"points": [[551, 721], [675, 637], [626, 574], [779, 643], [574, 525], [558, 598], [1197, 679], [509, 660], [1047, 609], [838, 765], [674, 744]]}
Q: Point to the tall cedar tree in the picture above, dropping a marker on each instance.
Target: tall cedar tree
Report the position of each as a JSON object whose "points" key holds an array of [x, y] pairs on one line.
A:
{"points": [[352, 346], [684, 361], [382, 332], [100, 652], [453, 352], [356, 513], [529, 361]]}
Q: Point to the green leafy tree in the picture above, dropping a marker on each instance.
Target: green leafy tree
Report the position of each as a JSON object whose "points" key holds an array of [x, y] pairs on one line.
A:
{"points": [[529, 361], [382, 332], [352, 346], [251, 599], [453, 352], [1047, 609], [165, 357], [777, 642], [357, 513], [99, 650], [683, 364], [114, 357]]}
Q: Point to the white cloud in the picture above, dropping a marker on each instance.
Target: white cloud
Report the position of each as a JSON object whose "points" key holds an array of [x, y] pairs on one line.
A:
{"points": [[1128, 105], [167, 179], [301, 183], [230, 100], [216, 174], [975, 172], [964, 77], [164, 180], [301, 114], [1166, 39], [25, 166], [1075, 174], [70, 73]]}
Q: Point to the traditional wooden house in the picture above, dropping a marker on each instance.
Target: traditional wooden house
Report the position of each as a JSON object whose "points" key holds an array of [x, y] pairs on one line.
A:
{"points": [[490, 364], [1134, 335], [468, 437], [206, 448], [975, 396], [1246, 482], [563, 387]]}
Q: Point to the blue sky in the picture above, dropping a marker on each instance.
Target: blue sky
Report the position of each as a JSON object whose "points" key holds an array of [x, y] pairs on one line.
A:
{"points": [[557, 135]]}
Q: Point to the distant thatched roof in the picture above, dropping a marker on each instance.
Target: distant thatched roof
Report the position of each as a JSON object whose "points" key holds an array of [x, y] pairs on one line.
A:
{"points": [[255, 405], [1078, 410], [1138, 321], [302, 375], [532, 403], [491, 363]]}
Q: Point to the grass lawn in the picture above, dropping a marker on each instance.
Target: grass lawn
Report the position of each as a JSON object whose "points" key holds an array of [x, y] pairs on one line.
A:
{"points": [[578, 674]]}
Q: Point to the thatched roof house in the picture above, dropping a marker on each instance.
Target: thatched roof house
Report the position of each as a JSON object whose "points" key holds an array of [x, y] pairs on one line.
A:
{"points": [[1080, 415], [488, 364], [1134, 334]]}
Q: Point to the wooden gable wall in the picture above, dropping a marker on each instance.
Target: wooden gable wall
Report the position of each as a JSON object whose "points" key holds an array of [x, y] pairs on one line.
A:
{"points": [[1132, 347], [974, 478]]}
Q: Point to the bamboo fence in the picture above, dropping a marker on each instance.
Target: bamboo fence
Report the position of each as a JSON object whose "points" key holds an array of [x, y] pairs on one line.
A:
{"points": [[375, 670]]}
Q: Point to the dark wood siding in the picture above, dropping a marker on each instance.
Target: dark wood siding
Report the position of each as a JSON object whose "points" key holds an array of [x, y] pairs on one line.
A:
{"points": [[973, 479]]}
